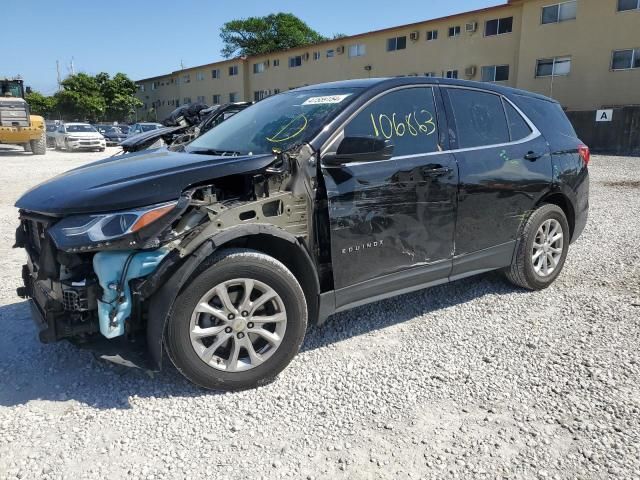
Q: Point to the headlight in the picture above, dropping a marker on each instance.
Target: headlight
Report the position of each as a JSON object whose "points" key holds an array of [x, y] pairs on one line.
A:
{"points": [[92, 231]]}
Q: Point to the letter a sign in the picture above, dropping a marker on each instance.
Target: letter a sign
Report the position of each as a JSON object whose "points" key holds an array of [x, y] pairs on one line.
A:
{"points": [[604, 115]]}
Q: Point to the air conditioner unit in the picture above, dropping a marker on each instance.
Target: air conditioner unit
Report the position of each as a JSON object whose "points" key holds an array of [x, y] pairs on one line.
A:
{"points": [[306, 56], [340, 50], [471, 27], [470, 71], [414, 36]]}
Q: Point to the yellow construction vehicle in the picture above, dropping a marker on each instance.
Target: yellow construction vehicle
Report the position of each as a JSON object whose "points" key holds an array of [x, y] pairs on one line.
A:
{"points": [[17, 126]]}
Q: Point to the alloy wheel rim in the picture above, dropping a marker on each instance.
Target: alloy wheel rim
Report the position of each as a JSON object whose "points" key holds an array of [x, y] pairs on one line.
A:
{"points": [[238, 325], [547, 247]]}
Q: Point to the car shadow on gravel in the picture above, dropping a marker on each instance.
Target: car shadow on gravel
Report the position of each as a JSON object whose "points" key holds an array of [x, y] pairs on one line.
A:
{"points": [[61, 372], [395, 310]]}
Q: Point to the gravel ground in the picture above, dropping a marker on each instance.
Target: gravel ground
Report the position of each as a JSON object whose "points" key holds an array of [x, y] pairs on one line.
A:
{"points": [[475, 379]]}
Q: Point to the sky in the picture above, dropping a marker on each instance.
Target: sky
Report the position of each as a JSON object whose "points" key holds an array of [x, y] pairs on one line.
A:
{"points": [[144, 38]]}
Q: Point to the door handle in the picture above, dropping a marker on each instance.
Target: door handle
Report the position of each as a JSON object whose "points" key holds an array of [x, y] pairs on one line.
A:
{"points": [[436, 172], [532, 156]]}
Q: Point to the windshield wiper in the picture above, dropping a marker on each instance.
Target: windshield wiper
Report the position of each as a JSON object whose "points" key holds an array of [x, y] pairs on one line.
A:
{"points": [[211, 151]]}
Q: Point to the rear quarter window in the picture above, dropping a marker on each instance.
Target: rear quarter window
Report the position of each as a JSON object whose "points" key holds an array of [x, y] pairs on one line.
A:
{"points": [[549, 118], [518, 128]]}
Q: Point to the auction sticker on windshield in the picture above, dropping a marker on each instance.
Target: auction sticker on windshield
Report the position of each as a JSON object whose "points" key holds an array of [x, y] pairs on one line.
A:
{"points": [[325, 99]]}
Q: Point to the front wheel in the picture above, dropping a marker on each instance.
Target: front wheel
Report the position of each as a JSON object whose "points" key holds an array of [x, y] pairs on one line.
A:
{"points": [[238, 323], [39, 146], [541, 249]]}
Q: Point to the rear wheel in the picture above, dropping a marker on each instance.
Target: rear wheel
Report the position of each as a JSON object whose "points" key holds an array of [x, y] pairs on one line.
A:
{"points": [[39, 146], [541, 249], [238, 323]]}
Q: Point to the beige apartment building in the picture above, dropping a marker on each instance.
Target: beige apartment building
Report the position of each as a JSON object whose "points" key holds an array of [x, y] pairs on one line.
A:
{"points": [[584, 53]]}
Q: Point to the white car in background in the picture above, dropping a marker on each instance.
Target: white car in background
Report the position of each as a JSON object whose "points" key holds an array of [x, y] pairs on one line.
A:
{"points": [[79, 136]]}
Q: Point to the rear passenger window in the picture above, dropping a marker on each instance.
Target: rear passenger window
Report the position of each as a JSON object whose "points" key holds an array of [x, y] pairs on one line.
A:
{"points": [[518, 128], [407, 118], [479, 118]]}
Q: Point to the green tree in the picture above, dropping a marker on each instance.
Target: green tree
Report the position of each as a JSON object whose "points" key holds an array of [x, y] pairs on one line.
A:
{"points": [[257, 35], [41, 104], [81, 98], [119, 95], [97, 98]]}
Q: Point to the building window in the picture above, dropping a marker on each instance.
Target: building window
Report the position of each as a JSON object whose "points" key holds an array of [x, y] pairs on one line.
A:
{"points": [[331, 53], [548, 67], [187, 100], [316, 55], [276, 91], [258, 67], [233, 97], [454, 31], [396, 43], [451, 74], [199, 76], [560, 12], [625, 59], [430, 74], [625, 5], [186, 78], [357, 50], [295, 61], [498, 26], [233, 70], [495, 73], [276, 62], [200, 99], [215, 73], [432, 35], [215, 99]]}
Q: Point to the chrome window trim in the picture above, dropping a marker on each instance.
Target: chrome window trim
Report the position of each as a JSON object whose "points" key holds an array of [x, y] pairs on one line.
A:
{"points": [[339, 133]]}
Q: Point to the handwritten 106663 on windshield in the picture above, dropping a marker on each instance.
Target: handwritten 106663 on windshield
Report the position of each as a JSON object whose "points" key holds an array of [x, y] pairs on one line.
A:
{"points": [[394, 124]]}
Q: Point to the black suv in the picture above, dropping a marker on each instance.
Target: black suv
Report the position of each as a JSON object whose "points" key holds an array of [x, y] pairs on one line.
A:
{"points": [[305, 204]]}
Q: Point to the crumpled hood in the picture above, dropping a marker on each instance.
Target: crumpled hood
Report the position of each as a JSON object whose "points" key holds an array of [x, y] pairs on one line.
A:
{"points": [[133, 180]]}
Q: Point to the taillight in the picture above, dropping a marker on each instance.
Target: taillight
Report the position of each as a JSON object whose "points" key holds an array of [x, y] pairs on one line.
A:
{"points": [[585, 154]]}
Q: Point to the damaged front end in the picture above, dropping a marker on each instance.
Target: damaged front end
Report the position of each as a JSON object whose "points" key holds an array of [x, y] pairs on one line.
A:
{"points": [[91, 276]]}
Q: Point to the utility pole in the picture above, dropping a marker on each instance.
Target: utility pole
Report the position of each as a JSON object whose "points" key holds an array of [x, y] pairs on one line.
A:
{"points": [[181, 65], [72, 69], [58, 72]]}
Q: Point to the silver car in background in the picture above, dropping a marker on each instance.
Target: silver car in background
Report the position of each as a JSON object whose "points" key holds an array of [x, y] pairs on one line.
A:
{"points": [[79, 136]]}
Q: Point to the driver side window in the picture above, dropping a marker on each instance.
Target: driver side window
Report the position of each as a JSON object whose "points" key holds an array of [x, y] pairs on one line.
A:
{"points": [[407, 118]]}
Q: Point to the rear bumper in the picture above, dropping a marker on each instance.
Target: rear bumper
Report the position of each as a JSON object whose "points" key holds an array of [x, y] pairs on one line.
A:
{"points": [[581, 207]]}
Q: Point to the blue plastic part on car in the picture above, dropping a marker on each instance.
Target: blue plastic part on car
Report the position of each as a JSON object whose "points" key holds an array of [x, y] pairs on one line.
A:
{"points": [[115, 306]]}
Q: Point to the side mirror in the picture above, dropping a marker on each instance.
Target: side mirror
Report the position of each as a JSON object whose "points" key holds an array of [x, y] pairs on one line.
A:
{"points": [[359, 149]]}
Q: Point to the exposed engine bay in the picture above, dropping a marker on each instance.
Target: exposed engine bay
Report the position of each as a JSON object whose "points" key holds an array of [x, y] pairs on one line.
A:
{"points": [[81, 290]]}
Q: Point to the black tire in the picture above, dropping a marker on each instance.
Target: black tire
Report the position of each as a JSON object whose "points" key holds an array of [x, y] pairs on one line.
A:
{"points": [[521, 272], [39, 146], [223, 266], [27, 147]]}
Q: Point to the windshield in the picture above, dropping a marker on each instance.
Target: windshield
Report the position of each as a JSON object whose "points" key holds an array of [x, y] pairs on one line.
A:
{"points": [[277, 122], [148, 128], [11, 89], [80, 128]]}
